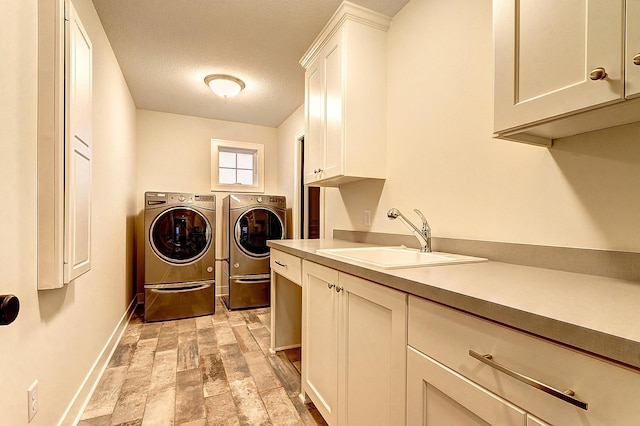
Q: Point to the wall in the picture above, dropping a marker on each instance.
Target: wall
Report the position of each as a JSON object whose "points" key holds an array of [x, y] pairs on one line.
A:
{"points": [[174, 153], [288, 174], [59, 334], [442, 159]]}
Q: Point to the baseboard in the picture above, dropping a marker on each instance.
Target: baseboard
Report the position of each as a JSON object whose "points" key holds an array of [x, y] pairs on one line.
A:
{"points": [[75, 409]]}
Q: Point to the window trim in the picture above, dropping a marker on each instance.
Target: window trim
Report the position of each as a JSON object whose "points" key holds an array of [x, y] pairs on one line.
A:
{"points": [[218, 145]]}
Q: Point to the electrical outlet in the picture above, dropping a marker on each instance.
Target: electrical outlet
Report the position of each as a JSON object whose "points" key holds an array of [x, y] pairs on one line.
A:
{"points": [[32, 399], [367, 218]]}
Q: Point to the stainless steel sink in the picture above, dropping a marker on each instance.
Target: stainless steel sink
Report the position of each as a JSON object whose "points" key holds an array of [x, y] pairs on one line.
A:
{"points": [[396, 257]]}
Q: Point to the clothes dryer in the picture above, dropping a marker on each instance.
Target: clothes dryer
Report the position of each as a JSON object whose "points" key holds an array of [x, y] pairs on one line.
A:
{"points": [[248, 222], [179, 279]]}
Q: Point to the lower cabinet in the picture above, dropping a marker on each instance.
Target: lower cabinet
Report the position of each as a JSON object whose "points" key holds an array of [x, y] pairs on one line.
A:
{"points": [[372, 355], [353, 348], [464, 370], [438, 395]]}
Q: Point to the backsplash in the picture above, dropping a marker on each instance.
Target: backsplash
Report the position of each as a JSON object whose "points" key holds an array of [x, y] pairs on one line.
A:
{"points": [[612, 264]]}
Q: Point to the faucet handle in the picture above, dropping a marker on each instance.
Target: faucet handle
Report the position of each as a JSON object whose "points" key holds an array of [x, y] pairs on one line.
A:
{"points": [[425, 224]]}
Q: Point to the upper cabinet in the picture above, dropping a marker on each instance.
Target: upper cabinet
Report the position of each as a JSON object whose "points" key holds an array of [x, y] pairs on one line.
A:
{"points": [[632, 51], [78, 148], [65, 98], [345, 99], [564, 68]]}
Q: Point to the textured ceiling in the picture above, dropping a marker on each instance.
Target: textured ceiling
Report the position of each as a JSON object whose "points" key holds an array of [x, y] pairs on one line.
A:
{"points": [[166, 47]]}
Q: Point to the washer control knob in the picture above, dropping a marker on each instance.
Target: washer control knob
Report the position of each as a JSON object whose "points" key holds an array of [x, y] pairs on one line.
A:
{"points": [[182, 198], [210, 269], [259, 199]]}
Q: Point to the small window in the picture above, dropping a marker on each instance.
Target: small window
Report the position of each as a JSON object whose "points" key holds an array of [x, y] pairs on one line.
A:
{"points": [[237, 166]]}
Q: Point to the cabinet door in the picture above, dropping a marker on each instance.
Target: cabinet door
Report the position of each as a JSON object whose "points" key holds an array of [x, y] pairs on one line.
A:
{"points": [[545, 51], [374, 356], [314, 118], [334, 128], [78, 148], [534, 421], [320, 316], [437, 395], [632, 58]]}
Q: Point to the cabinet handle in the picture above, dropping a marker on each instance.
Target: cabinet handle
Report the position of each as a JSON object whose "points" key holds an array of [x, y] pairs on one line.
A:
{"points": [[280, 264], [598, 74], [636, 59], [330, 285], [339, 289], [566, 396], [317, 171]]}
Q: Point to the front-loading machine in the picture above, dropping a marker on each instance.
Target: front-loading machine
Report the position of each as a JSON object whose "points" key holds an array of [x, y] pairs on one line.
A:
{"points": [[179, 275], [248, 222]]}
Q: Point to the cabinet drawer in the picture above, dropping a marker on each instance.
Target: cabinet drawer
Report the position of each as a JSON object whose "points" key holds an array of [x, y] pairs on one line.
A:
{"points": [[287, 265], [447, 335]]}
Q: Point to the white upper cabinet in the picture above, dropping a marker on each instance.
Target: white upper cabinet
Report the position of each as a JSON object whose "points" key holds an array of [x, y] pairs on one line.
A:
{"points": [[65, 81], [78, 147], [559, 66], [632, 52], [345, 99]]}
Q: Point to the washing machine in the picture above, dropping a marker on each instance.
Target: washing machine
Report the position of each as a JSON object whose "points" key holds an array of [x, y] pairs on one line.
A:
{"points": [[179, 255], [248, 222]]}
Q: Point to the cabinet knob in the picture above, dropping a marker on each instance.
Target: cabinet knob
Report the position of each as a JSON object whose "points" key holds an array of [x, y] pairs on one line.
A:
{"points": [[330, 285], [338, 289], [636, 59], [598, 74]]}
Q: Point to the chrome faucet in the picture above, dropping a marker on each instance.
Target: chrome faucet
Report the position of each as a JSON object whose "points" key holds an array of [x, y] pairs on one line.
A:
{"points": [[423, 235]]}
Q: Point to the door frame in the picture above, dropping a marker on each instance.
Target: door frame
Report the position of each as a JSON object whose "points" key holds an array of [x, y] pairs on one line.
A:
{"points": [[298, 187]]}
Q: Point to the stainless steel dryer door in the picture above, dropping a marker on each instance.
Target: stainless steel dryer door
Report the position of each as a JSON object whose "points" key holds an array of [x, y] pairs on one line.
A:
{"points": [[180, 235], [254, 228]]}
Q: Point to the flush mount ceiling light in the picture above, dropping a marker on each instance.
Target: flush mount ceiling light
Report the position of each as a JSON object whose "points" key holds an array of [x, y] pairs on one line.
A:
{"points": [[225, 86]]}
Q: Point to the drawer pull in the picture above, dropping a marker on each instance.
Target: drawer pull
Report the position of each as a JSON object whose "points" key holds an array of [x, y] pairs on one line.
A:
{"points": [[280, 264], [566, 396]]}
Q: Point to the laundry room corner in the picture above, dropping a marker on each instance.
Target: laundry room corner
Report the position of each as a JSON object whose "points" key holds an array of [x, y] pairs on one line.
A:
{"points": [[174, 155]]}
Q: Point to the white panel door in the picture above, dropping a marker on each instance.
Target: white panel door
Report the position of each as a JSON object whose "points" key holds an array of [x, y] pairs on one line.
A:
{"points": [[437, 395], [632, 56], [314, 111], [78, 155], [545, 52], [534, 421], [320, 317], [334, 81], [374, 355]]}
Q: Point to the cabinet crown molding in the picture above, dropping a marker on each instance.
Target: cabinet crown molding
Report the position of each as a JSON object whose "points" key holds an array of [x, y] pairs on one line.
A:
{"points": [[346, 11]]}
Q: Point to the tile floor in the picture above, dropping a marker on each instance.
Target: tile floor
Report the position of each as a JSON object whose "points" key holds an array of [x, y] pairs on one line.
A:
{"points": [[210, 370]]}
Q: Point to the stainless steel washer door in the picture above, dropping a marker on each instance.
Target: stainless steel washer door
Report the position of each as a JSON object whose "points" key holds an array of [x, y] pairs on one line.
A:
{"points": [[180, 235], [254, 228]]}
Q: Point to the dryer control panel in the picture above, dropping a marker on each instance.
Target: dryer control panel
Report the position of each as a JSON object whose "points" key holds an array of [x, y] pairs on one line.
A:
{"points": [[179, 198]]}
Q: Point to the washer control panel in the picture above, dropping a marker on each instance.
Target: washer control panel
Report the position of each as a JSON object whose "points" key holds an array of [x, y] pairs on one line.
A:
{"points": [[159, 198]]}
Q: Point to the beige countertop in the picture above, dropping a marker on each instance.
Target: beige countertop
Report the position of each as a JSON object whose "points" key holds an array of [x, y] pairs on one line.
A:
{"points": [[596, 314]]}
